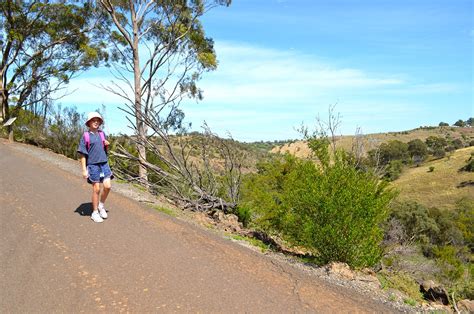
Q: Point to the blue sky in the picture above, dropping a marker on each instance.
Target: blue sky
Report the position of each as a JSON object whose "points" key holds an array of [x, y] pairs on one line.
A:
{"points": [[387, 65]]}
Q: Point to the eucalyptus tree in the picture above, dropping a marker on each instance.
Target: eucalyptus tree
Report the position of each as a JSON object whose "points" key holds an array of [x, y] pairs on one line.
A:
{"points": [[43, 45], [161, 51]]}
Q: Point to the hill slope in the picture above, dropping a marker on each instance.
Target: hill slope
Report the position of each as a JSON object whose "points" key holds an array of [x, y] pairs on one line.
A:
{"points": [[371, 141], [441, 188]]}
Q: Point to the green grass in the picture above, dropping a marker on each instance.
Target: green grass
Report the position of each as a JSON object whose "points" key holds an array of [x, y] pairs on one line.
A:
{"points": [[165, 210], [255, 242], [409, 301], [140, 187], [402, 282]]}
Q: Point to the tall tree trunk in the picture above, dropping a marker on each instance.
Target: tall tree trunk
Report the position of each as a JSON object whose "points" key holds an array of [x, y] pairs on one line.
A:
{"points": [[6, 111], [141, 127]]}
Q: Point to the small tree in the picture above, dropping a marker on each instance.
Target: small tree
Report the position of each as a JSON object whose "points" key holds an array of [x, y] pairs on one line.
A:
{"points": [[329, 206], [443, 124], [394, 170], [392, 150], [436, 143], [43, 45], [460, 123], [457, 143], [161, 51], [418, 150], [469, 167]]}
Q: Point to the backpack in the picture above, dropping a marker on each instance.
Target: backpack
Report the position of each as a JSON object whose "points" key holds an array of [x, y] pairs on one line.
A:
{"points": [[87, 139]]}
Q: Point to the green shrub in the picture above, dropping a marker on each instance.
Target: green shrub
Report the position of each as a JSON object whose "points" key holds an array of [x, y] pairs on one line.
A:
{"points": [[417, 149], [431, 169], [332, 209], [394, 170], [403, 282], [244, 215], [429, 225], [464, 220], [469, 167], [445, 237], [392, 150], [457, 143], [450, 265], [415, 220]]}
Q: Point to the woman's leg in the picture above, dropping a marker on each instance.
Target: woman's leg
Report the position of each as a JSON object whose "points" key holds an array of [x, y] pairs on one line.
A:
{"points": [[95, 195], [105, 192]]}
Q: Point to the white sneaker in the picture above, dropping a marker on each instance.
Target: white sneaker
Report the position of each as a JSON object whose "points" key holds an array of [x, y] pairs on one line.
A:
{"points": [[96, 217], [102, 212]]}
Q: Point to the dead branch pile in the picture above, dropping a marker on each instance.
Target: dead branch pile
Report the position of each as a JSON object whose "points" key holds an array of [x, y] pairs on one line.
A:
{"points": [[199, 173]]}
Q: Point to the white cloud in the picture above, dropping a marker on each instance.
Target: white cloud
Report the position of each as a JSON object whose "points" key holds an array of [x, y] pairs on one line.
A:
{"points": [[248, 73], [260, 93]]}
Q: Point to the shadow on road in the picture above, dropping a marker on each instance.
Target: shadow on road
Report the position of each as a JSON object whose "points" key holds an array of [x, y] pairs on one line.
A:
{"points": [[85, 209]]}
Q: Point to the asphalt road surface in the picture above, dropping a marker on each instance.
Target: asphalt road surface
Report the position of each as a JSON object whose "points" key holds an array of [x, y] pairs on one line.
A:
{"points": [[55, 259]]}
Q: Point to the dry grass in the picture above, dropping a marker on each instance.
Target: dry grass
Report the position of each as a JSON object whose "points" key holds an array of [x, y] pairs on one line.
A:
{"points": [[371, 141], [298, 149], [440, 188]]}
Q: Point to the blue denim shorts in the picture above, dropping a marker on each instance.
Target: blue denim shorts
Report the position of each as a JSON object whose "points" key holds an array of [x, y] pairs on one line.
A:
{"points": [[99, 172]]}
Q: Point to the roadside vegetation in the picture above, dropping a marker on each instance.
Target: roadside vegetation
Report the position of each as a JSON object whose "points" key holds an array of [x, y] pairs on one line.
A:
{"points": [[401, 203], [335, 205], [404, 209]]}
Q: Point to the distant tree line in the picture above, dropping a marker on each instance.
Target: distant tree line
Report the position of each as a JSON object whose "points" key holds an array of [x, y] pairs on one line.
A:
{"points": [[393, 155], [460, 123]]}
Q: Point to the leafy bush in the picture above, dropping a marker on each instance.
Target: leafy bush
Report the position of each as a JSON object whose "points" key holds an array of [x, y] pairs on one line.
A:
{"points": [[445, 236], [428, 225], [394, 170], [469, 165], [439, 153], [457, 143], [29, 128], [416, 223], [451, 267], [65, 131], [436, 143], [392, 150], [60, 131], [244, 215], [417, 149], [332, 209], [464, 220]]}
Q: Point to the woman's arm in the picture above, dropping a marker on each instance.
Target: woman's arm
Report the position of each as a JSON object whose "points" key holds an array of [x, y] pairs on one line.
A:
{"points": [[85, 174]]}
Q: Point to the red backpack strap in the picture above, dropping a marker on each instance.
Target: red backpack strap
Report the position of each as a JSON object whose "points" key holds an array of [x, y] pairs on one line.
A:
{"points": [[87, 140]]}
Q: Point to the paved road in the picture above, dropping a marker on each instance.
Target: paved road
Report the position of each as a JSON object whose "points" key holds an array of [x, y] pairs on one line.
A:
{"points": [[55, 259]]}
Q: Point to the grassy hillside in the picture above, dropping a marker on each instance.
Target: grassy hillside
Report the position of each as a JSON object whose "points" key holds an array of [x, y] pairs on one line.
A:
{"points": [[442, 187], [371, 141]]}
